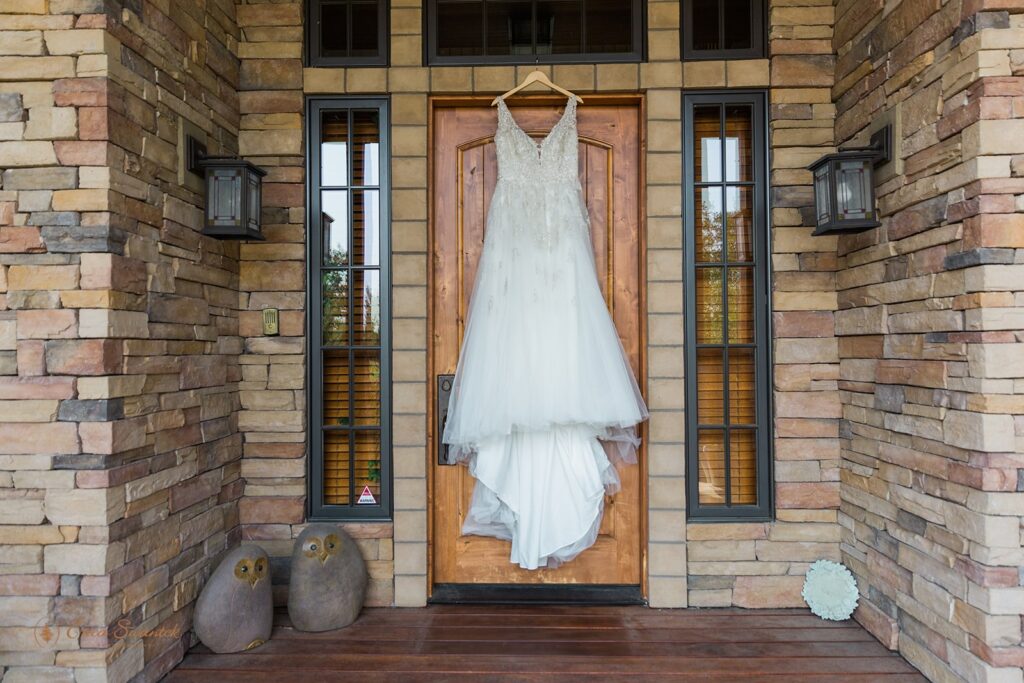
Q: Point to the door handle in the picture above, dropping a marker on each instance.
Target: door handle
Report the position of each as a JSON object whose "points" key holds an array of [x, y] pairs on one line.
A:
{"points": [[444, 394]]}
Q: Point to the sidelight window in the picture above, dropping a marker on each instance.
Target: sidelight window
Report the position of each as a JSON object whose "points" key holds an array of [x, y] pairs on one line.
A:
{"points": [[349, 309], [723, 29], [728, 442], [532, 31]]}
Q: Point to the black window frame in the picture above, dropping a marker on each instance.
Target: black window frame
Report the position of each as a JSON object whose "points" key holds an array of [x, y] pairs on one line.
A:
{"points": [[316, 508], [313, 33], [764, 510], [758, 34], [638, 54]]}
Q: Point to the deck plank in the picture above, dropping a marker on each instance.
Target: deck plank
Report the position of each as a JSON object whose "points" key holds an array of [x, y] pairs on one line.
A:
{"points": [[571, 648], [678, 635], [707, 619], [567, 643], [182, 676]]}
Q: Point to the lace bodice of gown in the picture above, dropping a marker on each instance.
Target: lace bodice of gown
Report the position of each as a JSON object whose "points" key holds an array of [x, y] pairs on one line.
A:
{"points": [[521, 159], [546, 171]]}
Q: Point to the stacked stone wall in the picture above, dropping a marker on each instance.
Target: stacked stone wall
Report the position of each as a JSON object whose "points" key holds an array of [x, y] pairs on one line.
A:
{"points": [[931, 331], [119, 334]]}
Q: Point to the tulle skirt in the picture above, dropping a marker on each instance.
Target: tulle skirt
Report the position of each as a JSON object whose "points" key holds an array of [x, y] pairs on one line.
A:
{"points": [[544, 399]]}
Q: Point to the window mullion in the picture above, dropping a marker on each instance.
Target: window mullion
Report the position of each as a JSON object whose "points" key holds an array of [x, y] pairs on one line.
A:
{"points": [[726, 407], [350, 314], [351, 235], [351, 423]]}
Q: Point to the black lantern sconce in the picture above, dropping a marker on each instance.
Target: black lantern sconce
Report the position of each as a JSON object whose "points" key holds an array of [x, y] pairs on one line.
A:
{"points": [[234, 189], [844, 186]]}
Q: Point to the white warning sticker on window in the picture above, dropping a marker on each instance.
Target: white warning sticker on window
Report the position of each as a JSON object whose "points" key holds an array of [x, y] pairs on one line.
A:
{"points": [[366, 497]]}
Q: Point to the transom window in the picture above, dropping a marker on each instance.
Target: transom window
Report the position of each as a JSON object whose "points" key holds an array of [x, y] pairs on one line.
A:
{"points": [[529, 31], [723, 29], [728, 444], [349, 311], [346, 32]]}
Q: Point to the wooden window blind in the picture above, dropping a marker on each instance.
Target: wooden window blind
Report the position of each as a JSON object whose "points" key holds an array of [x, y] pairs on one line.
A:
{"points": [[349, 311], [347, 32], [728, 446]]}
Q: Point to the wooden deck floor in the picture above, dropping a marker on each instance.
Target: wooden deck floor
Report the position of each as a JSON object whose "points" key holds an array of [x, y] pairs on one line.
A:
{"points": [[502, 643]]}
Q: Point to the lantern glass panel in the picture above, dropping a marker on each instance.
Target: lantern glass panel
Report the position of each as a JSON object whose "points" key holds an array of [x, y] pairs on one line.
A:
{"points": [[822, 196], [853, 190], [224, 195], [255, 202]]}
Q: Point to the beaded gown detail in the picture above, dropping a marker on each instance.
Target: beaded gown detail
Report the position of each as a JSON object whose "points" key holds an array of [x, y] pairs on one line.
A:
{"points": [[544, 399]]}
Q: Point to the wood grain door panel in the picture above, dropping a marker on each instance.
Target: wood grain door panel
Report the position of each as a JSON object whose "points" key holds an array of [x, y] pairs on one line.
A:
{"points": [[464, 173]]}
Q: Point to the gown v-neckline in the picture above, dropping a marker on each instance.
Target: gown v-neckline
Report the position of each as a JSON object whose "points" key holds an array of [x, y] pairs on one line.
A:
{"points": [[569, 104]]}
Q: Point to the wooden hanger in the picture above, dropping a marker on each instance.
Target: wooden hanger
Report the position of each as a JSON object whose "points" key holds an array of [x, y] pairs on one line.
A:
{"points": [[537, 77]]}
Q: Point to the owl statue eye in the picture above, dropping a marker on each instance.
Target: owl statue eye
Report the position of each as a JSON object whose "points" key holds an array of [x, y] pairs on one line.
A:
{"points": [[242, 569], [312, 547], [261, 568], [332, 544]]}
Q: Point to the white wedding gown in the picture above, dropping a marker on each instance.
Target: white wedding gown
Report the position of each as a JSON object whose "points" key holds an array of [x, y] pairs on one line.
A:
{"points": [[542, 378]]}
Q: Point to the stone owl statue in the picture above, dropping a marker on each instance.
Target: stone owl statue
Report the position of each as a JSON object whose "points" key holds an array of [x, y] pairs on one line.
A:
{"points": [[235, 610], [328, 579]]}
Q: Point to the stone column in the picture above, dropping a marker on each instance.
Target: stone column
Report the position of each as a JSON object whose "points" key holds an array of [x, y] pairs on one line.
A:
{"points": [[931, 324], [118, 335]]}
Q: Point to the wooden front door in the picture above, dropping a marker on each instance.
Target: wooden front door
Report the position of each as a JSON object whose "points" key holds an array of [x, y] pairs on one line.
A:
{"points": [[464, 171]]}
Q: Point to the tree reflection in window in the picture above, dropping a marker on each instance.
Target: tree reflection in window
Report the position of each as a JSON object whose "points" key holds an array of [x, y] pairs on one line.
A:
{"points": [[335, 307]]}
